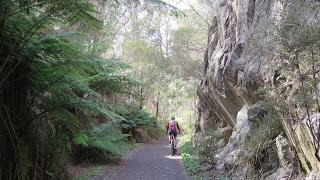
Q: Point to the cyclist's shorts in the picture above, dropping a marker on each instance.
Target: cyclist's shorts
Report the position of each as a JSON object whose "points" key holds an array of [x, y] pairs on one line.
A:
{"points": [[174, 133]]}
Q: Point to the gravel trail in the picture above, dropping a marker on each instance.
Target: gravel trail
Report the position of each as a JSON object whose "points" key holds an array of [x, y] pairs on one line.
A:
{"points": [[149, 162]]}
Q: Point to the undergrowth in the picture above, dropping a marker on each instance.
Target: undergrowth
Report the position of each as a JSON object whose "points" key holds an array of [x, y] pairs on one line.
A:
{"points": [[100, 144], [261, 144], [189, 158], [207, 145]]}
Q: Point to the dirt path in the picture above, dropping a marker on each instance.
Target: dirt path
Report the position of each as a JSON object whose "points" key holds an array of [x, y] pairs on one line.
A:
{"points": [[150, 162]]}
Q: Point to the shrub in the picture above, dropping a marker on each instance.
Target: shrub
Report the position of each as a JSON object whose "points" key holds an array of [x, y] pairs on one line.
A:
{"points": [[260, 146], [102, 142], [207, 145], [189, 158]]}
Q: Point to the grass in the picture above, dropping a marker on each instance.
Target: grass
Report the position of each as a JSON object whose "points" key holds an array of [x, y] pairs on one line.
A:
{"points": [[261, 144], [189, 158], [203, 151]]}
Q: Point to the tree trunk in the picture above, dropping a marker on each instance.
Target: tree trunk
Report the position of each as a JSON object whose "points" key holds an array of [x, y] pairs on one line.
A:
{"points": [[141, 97], [157, 105]]}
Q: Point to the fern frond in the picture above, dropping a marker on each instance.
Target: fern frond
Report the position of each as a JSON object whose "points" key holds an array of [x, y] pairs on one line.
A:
{"points": [[106, 136], [25, 164], [81, 138], [68, 119]]}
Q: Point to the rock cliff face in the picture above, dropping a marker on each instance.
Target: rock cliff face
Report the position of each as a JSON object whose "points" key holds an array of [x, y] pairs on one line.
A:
{"points": [[236, 64], [232, 73]]}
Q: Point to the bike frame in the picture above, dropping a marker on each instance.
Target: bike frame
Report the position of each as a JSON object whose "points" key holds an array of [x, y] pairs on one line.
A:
{"points": [[172, 145]]}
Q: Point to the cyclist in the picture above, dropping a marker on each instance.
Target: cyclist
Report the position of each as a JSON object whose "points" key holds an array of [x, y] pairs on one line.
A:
{"points": [[172, 127]]}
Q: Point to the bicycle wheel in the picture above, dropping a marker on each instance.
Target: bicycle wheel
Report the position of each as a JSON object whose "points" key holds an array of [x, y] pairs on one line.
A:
{"points": [[172, 145], [172, 148]]}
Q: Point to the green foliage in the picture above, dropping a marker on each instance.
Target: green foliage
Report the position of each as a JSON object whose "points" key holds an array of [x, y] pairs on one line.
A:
{"points": [[153, 132], [261, 142], [105, 137], [189, 158], [141, 118], [166, 7], [57, 79], [166, 59], [208, 145], [25, 163], [81, 138], [134, 117], [191, 163], [51, 84]]}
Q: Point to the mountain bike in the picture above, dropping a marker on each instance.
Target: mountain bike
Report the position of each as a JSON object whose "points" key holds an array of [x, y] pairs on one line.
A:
{"points": [[172, 145]]}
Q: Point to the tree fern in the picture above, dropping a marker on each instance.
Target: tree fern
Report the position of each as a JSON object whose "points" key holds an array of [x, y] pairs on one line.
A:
{"points": [[32, 75], [25, 163], [68, 119], [52, 82], [106, 137]]}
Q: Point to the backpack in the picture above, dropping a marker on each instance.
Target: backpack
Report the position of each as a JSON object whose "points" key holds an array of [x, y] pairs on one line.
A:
{"points": [[172, 125]]}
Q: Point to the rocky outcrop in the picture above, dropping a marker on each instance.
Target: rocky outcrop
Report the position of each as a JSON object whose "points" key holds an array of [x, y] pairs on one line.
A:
{"points": [[236, 65], [232, 74], [239, 152]]}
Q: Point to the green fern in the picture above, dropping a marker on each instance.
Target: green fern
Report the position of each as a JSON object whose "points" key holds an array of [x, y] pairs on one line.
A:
{"points": [[51, 86], [81, 138], [46, 81], [106, 137], [25, 163]]}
